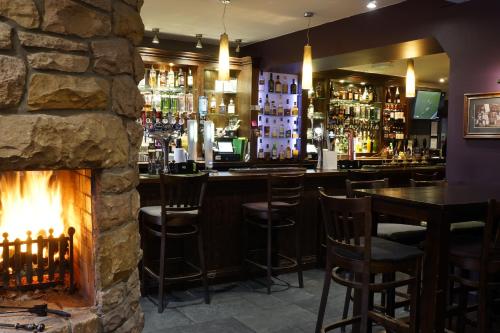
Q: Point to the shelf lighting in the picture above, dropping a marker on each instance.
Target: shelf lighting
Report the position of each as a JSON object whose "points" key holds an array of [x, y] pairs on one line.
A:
{"points": [[224, 49], [156, 38], [307, 69], [410, 79]]}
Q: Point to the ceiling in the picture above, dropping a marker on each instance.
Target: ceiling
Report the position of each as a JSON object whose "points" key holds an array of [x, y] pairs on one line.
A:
{"points": [[249, 20], [428, 69]]}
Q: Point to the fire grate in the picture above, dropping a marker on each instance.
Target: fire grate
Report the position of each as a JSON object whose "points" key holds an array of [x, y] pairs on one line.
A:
{"points": [[37, 263]]}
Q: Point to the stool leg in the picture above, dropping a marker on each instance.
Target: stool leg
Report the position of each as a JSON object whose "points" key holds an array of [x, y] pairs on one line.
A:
{"points": [[299, 255], [324, 294], [161, 276], [203, 265], [347, 302], [269, 257], [415, 298], [365, 302], [390, 296]]}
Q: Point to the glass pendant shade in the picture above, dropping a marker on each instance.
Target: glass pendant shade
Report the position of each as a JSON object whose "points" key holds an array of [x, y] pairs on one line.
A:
{"points": [[224, 58], [410, 79], [307, 68]]}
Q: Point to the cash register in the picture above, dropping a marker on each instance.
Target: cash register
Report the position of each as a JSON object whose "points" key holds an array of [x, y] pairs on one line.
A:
{"points": [[224, 152]]}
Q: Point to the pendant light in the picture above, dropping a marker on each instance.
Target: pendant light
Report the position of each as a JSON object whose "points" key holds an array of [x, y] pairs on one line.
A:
{"points": [[199, 45], [307, 62], [410, 79], [224, 48], [238, 44], [156, 39]]}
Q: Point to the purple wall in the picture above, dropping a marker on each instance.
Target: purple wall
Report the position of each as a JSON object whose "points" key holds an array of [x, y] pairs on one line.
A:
{"points": [[469, 33]]}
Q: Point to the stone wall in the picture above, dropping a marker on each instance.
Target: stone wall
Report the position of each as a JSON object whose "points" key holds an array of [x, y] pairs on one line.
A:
{"points": [[69, 100]]}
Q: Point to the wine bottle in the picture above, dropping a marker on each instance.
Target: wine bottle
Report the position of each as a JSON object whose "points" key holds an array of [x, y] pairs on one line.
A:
{"points": [[277, 88], [388, 96], [293, 87], [398, 97], [284, 86], [270, 83], [190, 78]]}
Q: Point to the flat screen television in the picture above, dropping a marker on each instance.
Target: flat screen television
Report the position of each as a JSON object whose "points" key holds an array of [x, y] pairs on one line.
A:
{"points": [[427, 104]]}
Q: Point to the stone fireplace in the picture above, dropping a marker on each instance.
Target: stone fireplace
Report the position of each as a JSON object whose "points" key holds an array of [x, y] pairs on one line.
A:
{"points": [[68, 105]]}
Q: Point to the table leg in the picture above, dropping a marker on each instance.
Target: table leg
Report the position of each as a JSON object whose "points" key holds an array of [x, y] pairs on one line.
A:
{"points": [[431, 316]]}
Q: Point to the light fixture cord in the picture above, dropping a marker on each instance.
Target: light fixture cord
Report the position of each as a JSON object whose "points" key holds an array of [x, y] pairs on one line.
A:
{"points": [[308, 28], [224, 18]]}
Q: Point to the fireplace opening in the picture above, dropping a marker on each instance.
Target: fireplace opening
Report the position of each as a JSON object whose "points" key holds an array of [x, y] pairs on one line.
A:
{"points": [[46, 230]]}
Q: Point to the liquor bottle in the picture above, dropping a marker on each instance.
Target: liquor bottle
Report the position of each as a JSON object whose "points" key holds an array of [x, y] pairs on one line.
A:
{"points": [[180, 79], [388, 96], [260, 155], [319, 90], [190, 78], [213, 104], [278, 88], [262, 81], [284, 86], [202, 106], [331, 89], [261, 106], [295, 110], [350, 94], [222, 106], [282, 153], [282, 131], [270, 83], [231, 108], [293, 87], [267, 152], [288, 133], [152, 78], [295, 152], [370, 94], [288, 153], [267, 106], [162, 84], [274, 152], [356, 94], [280, 112], [310, 110], [398, 97], [287, 110], [170, 79], [273, 109]]}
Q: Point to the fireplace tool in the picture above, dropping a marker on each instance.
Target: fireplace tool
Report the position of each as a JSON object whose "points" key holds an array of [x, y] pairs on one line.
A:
{"points": [[40, 310], [35, 328]]}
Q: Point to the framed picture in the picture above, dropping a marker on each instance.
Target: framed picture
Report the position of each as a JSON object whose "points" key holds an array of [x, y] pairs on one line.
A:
{"points": [[482, 116]]}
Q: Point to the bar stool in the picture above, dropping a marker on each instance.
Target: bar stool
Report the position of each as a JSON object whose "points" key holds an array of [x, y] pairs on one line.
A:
{"points": [[177, 217], [282, 210], [476, 263], [352, 249], [419, 176]]}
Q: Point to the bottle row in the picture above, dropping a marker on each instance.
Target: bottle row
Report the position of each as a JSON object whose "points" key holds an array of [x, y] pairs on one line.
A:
{"points": [[350, 92], [283, 152], [278, 86], [168, 102], [270, 108], [205, 106], [164, 80]]}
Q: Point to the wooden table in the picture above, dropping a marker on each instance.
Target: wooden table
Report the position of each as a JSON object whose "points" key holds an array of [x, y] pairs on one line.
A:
{"points": [[439, 206]]}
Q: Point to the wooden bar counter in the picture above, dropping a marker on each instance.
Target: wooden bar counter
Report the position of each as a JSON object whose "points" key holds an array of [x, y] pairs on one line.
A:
{"points": [[227, 191]]}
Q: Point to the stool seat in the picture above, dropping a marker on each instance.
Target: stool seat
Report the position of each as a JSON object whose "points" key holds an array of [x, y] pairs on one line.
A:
{"points": [[384, 250], [152, 215], [467, 227], [260, 209], [401, 233]]}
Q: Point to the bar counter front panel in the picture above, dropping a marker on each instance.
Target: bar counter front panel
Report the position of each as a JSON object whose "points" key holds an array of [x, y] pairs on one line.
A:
{"points": [[223, 228]]}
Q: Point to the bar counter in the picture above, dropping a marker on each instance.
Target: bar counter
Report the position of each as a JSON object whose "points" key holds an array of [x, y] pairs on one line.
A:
{"points": [[227, 191]]}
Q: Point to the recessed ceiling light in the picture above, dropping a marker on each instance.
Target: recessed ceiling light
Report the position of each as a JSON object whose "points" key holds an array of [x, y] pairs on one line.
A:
{"points": [[372, 4], [225, 2], [442, 80]]}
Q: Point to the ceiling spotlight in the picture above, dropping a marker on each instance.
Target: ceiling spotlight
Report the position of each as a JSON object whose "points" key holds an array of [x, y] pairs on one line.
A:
{"points": [[442, 80], [372, 4], [238, 43], [199, 45], [225, 2], [341, 81], [156, 39]]}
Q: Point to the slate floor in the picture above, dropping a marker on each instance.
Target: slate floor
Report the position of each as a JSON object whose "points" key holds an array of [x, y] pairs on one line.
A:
{"points": [[244, 307]]}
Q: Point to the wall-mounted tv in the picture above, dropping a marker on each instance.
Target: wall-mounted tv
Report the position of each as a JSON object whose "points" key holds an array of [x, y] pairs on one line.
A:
{"points": [[427, 104]]}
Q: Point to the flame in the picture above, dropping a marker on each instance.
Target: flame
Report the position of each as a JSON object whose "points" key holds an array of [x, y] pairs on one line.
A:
{"points": [[30, 201]]}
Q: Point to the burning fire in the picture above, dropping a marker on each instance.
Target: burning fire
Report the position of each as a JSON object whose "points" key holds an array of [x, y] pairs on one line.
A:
{"points": [[30, 201]]}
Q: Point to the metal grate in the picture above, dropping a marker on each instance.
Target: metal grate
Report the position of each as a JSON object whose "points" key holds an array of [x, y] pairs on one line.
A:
{"points": [[37, 263]]}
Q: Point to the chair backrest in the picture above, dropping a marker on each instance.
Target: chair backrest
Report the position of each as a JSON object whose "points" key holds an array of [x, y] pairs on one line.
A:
{"points": [[182, 192], [364, 184], [285, 188], [348, 223], [419, 176], [363, 174], [423, 183], [491, 237]]}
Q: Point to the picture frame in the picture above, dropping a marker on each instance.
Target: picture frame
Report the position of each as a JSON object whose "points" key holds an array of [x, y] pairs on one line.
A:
{"points": [[482, 116]]}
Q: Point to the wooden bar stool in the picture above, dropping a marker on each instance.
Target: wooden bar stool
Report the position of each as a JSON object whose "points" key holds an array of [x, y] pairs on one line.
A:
{"points": [[282, 210], [475, 265], [353, 250], [177, 217]]}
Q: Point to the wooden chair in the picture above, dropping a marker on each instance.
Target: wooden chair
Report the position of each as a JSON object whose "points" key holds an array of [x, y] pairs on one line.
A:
{"points": [[177, 217], [352, 249], [282, 210], [476, 263]]}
